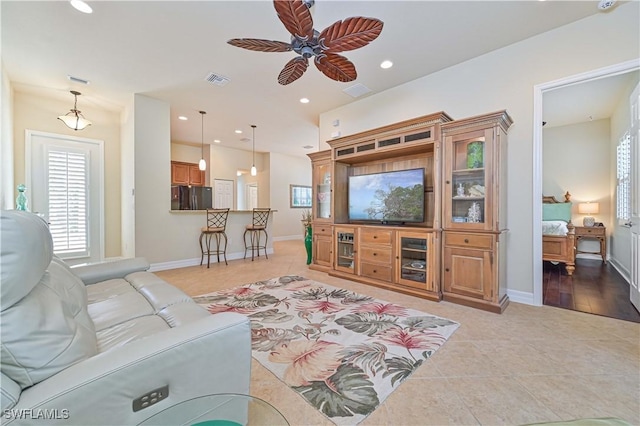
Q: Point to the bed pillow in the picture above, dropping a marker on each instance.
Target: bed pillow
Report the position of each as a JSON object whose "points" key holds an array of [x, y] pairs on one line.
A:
{"points": [[558, 211]]}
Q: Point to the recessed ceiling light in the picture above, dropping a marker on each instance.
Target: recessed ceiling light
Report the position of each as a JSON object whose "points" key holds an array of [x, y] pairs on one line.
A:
{"points": [[238, 131], [216, 140], [304, 100], [81, 6], [182, 117], [386, 64]]}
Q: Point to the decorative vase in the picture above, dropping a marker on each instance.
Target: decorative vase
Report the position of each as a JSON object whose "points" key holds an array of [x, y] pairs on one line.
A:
{"points": [[21, 200], [475, 155], [307, 243]]}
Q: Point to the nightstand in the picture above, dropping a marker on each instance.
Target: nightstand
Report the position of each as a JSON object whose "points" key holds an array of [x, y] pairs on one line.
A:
{"points": [[594, 232]]}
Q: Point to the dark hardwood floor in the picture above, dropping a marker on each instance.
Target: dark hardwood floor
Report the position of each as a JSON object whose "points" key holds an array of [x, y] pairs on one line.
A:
{"points": [[594, 288]]}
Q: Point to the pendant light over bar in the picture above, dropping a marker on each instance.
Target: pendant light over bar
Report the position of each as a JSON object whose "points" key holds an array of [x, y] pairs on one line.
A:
{"points": [[74, 119], [202, 165], [254, 171]]}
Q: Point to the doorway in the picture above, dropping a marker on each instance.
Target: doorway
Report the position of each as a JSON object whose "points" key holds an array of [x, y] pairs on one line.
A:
{"points": [[570, 83], [65, 175]]}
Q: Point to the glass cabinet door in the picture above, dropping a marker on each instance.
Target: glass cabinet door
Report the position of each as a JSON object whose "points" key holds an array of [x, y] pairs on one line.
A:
{"points": [[345, 251], [323, 191], [469, 162], [414, 259]]}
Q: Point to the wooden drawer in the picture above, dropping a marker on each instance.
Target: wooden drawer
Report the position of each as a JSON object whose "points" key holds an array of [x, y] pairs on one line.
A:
{"points": [[591, 231], [375, 254], [479, 241], [321, 230], [378, 272], [375, 236]]}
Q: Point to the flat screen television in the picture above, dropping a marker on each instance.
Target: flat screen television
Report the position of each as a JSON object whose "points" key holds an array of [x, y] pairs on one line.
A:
{"points": [[388, 197]]}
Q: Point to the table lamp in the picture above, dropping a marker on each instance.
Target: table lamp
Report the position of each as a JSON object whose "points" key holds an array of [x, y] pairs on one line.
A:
{"points": [[588, 209]]}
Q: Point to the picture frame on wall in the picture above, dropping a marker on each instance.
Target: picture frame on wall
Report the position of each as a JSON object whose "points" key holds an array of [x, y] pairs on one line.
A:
{"points": [[299, 196]]}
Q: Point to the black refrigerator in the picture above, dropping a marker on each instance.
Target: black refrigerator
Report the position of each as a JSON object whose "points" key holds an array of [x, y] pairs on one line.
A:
{"points": [[185, 197]]}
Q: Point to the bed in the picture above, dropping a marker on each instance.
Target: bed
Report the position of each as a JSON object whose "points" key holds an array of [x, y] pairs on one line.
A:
{"points": [[558, 233]]}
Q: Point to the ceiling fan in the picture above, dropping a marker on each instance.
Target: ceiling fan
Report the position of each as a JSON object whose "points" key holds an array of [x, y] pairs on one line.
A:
{"points": [[349, 34]]}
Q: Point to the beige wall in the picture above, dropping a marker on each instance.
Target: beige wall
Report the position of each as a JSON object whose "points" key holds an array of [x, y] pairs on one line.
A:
{"points": [[504, 79], [287, 170], [39, 112], [576, 159]]}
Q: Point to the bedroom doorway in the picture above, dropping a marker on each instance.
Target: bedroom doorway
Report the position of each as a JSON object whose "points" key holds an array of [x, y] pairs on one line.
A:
{"points": [[615, 233]]}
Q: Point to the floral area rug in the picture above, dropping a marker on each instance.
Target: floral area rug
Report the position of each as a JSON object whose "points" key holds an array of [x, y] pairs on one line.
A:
{"points": [[341, 351]]}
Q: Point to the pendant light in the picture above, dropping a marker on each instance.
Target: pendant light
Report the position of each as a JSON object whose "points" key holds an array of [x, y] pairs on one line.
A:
{"points": [[254, 171], [202, 165], [74, 119]]}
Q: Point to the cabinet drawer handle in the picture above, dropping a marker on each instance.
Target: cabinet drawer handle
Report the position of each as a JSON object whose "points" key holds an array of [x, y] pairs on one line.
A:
{"points": [[375, 254], [466, 240], [375, 236], [448, 182], [375, 271], [446, 269]]}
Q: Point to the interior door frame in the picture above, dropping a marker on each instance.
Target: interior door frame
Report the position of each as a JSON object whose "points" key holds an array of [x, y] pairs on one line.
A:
{"points": [[538, 91]]}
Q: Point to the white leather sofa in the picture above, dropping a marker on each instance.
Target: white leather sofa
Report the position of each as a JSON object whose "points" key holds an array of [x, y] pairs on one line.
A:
{"points": [[79, 345]]}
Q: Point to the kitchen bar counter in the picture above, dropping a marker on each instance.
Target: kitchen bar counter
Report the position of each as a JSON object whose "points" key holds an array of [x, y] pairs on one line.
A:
{"points": [[187, 225]]}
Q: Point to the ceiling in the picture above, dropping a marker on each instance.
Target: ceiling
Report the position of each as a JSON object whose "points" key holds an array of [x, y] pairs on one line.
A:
{"points": [[166, 49]]}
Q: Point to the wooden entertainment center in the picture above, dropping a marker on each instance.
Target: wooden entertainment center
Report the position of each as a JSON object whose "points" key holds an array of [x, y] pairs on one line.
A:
{"points": [[457, 252]]}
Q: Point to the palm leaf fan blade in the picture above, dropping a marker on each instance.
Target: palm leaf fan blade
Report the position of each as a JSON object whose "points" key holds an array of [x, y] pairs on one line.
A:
{"points": [[293, 70], [259, 45], [350, 34], [296, 17], [336, 67]]}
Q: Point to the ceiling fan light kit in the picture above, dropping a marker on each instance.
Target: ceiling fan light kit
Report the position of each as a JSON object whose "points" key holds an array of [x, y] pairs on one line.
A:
{"points": [[74, 118], [349, 34]]}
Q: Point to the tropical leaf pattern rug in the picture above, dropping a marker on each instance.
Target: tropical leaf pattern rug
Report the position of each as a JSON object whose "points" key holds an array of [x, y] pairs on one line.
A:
{"points": [[341, 351]]}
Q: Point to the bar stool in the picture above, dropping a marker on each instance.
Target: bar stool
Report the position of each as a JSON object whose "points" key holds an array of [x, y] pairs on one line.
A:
{"points": [[216, 226], [258, 225]]}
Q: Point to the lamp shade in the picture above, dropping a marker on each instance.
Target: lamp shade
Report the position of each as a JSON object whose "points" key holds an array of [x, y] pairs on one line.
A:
{"points": [[74, 118], [589, 208]]}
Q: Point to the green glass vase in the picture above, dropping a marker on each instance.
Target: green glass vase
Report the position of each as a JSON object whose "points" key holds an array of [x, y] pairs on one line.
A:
{"points": [[307, 243], [21, 201]]}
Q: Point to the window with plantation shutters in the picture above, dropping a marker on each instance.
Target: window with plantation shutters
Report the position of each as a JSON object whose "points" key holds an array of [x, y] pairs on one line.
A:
{"points": [[65, 184], [68, 205], [623, 188]]}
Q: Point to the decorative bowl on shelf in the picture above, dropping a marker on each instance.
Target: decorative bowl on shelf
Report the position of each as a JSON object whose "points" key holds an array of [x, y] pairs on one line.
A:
{"points": [[420, 264]]}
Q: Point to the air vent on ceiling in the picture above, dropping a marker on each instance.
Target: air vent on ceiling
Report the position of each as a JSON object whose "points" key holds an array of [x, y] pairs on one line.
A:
{"points": [[245, 140], [308, 146], [217, 79], [356, 90], [77, 80]]}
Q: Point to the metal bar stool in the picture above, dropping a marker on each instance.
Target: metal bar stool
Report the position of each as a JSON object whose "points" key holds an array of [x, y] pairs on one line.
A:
{"points": [[216, 226], [258, 225]]}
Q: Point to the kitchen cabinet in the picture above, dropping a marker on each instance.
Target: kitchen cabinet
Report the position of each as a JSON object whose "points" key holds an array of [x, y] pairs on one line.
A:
{"points": [[186, 174]]}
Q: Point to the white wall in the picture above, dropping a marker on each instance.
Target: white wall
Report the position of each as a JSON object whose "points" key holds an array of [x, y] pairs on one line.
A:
{"points": [[620, 236], [576, 159], [504, 79], [7, 186], [127, 180]]}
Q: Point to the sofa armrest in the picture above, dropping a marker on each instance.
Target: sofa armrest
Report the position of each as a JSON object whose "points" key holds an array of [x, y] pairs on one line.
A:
{"points": [[208, 356], [102, 271]]}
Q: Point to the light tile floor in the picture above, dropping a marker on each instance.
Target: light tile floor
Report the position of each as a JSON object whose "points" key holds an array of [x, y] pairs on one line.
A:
{"points": [[530, 364]]}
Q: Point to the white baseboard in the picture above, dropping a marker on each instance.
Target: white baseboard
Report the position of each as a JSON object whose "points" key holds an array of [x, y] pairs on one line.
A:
{"points": [[626, 274], [184, 263], [289, 237], [523, 297]]}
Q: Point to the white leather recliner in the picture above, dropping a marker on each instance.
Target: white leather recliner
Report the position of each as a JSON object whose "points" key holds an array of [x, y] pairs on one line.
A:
{"points": [[83, 345]]}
